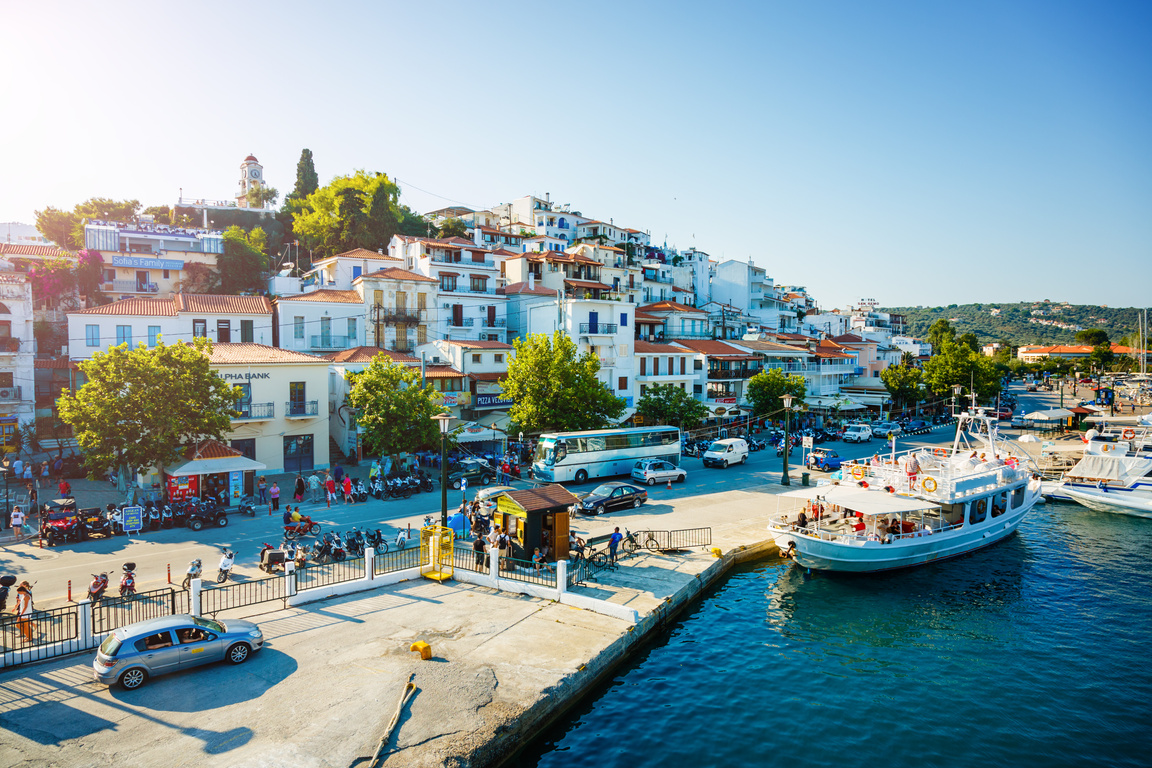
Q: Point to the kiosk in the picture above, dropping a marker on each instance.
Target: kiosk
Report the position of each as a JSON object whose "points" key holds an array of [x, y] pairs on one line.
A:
{"points": [[536, 517]]}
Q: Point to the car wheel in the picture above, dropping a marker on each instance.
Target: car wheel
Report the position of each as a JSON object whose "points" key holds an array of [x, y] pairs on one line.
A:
{"points": [[196, 524], [637, 502], [683, 476], [239, 653], [651, 481], [485, 479], [598, 510], [744, 459], [581, 477], [222, 521], [133, 678], [456, 484], [725, 463]]}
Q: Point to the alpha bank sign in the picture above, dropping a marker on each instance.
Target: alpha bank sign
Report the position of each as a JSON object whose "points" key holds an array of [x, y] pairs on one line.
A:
{"points": [[140, 262], [244, 376], [491, 401]]}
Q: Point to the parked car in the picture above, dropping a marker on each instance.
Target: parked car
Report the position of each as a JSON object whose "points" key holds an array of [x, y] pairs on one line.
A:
{"points": [[132, 654], [652, 471], [726, 452], [1019, 422], [858, 433], [824, 459], [612, 496], [886, 428], [1002, 414], [476, 471], [488, 496], [917, 427]]}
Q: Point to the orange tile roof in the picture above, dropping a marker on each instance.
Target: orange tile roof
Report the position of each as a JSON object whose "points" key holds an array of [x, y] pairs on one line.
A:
{"points": [[651, 348], [210, 449], [326, 294], [58, 363], [850, 338], [478, 344], [712, 348], [669, 306], [243, 353], [587, 284], [542, 498], [771, 346], [441, 372], [360, 253], [645, 317], [497, 376], [367, 354], [395, 273], [18, 249], [517, 288], [141, 307], [219, 304]]}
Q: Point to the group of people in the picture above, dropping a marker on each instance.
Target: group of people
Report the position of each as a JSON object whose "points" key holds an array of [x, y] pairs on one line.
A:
{"points": [[328, 486]]}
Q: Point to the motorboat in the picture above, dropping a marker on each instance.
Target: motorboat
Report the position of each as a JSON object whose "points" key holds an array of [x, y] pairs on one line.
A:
{"points": [[1121, 484], [913, 507], [1120, 435]]}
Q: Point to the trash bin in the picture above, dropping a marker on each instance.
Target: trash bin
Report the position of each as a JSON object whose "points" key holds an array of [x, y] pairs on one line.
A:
{"points": [[803, 478]]}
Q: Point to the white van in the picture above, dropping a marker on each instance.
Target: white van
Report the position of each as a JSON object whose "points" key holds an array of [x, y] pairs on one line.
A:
{"points": [[723, 453], [858, 433]]}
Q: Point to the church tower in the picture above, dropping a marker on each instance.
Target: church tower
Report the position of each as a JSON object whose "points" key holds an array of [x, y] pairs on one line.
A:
{"points": [[251, 178]]}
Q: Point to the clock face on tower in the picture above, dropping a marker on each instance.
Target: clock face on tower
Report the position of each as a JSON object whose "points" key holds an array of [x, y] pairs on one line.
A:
{"points": [[255, 174]]}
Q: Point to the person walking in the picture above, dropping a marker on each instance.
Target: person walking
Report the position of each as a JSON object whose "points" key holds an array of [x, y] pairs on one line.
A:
{"points": [[348, 497], [28, 475], [338, 474], [314, 486], [58, 467], [330, 489], [274, 495], [614, 543], [17, 520], [300, 485], [478, 549], [262, 487], [45, 472], [24, 610]]}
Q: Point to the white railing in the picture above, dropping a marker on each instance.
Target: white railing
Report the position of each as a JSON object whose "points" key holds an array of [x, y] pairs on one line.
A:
{"points": [[938, 480]]}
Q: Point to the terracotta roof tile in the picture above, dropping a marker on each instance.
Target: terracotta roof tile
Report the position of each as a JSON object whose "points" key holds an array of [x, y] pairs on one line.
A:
{"points": [[367, 354], [18, 249], [518, 288], [668, 306], [587, 284], [850, 338], [244, 353], [219, 304], [360, 253], [56, 363], [543, 497], [327, 295], [651, 348], [497, 376], [395, 273], [441, 372], [711, 347], [210, 449], [140, 307]]}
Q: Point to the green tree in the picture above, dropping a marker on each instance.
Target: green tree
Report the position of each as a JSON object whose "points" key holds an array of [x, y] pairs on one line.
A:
{"points": [[257, 197], [307, 181], [1093, 337], [67, 229], [904, 383], [140, 407], [669, 404], [765, 389], [240, 268], [357, 211], [957, 364], [454, 228], [59, 227], [969, 340], [1102, 355], [940, 333], [393, 410], [161, 214], [555, 387]]}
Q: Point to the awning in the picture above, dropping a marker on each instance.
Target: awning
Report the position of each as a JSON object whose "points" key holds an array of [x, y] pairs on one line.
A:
{"points": [[587, 284], [473, 432], [862, 500], [215, 466], [832, 403], [1055, 414], [1125, 469], [497, 419]]}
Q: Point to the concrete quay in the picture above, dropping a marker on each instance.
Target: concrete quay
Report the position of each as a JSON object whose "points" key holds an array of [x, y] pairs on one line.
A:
{"points": [[328, 681]]}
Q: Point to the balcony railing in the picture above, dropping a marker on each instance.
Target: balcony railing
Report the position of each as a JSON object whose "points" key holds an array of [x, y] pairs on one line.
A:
{"points": [[688, 334], [493, 323], [255, 411], [732, 373], [464, 322], [400, 314], [301, 409], [464, 262], [328, 341], [468, 289], [605, 329], [128, 286], [607, 361]]}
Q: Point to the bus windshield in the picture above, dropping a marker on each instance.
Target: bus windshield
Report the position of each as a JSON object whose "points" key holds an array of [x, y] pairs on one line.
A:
{"points": [[545, 452]]}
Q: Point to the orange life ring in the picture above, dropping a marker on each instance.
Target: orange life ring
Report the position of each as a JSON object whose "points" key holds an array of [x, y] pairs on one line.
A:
{"points": [[857, 471], [940, 452], [1128, 434], [924, 484]]}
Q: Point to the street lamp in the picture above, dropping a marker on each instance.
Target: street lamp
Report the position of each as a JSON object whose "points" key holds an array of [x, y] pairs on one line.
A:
{"points": [[956, 390], [784, 479], [442, 420]]}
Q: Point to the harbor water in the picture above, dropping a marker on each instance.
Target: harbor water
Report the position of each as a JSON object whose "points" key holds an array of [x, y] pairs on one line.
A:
{"points": [[1033, 652]]}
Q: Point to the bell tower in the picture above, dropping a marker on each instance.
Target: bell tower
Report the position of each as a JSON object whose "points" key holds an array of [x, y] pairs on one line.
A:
{"points": [[251, 178]]}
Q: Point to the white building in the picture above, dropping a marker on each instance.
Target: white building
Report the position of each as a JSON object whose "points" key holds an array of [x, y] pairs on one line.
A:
{"points": [[341, 270], [403, 311], [320, 321], [664, 364], [17, 355]]}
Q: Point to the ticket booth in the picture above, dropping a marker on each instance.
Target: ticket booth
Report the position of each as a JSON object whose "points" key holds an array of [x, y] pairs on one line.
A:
{"points": [[211, 470], [536, 517]]}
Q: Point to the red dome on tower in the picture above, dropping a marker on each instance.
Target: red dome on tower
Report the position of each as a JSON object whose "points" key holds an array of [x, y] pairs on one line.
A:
{"points": [[252, 158]]}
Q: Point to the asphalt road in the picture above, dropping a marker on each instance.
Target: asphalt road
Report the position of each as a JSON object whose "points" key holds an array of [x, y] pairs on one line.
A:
{"points": [[51, 569]]}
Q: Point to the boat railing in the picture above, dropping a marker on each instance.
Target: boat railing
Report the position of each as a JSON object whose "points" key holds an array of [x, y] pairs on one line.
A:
{"points": [[814, 530], [939, 483]]}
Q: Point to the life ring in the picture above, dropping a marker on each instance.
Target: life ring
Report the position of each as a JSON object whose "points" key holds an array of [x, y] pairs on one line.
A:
{"points": [[982, 506], [1128, 434], [929, 488], [857, 471], [940, 452]]}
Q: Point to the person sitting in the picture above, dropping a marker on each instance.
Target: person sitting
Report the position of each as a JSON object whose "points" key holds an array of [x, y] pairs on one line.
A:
{"points": [[539, 561], [575, 543], [287, 515], [875, 460], [894, 527], [802, 521], [296, 516]]}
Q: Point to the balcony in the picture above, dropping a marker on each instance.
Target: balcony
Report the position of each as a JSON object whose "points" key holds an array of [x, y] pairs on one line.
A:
{"points": [[464, 322], [255, 411], [294, 409], [732, 373], [10, 394], [468, 289], [330, 342], [607, 361], [599, 329], [128, 286], [493, 323], [487, 263], [400, 314], [670, 334]]}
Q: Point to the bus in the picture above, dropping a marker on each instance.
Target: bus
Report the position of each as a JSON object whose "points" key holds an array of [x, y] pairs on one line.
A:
{"points": [[578, 456]]}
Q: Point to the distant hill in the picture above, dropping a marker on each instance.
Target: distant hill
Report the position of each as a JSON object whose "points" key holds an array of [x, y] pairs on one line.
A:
{"points": [[1032, 322]]}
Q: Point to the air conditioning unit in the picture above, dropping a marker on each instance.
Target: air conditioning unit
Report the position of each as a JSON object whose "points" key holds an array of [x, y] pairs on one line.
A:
{"points": [[447, 306], [9, 393]]}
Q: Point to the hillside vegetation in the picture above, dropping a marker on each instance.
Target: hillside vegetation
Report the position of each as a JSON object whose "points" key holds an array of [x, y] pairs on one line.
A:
{"points": [[1025, 323]]}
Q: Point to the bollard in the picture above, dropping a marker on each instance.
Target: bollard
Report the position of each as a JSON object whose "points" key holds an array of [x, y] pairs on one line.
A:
{"points": [[423, 649], [69, 590], [169, 573], [669, 484]]}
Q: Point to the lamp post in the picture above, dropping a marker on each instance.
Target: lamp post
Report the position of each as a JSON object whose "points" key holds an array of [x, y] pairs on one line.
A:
{"points": [[956, 390], [784, 479], [442, 420]]}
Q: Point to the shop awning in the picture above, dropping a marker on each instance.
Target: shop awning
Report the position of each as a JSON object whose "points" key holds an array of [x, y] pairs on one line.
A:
{"points": [[214, 466], [497, 419], [473, 432]]}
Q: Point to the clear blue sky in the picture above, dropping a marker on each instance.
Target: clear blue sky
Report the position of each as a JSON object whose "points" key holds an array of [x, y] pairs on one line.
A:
{"points": [[916, 153]]}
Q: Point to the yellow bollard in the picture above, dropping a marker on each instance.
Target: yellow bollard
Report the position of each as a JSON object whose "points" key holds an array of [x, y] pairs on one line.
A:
{"points": [[716, 552], [423, 648]]}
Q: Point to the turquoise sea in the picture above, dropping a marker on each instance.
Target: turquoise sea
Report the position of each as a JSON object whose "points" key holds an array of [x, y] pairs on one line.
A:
{"points": [[1034, 652]]}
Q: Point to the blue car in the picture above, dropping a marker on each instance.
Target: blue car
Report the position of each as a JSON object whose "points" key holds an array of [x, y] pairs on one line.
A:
{"points": [[824, 459]]}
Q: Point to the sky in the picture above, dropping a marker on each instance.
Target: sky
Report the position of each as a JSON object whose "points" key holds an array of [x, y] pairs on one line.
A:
{"points": [[915, 153]]}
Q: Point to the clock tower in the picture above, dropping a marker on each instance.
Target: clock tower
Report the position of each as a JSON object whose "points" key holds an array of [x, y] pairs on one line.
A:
{"points": [[251, 178]]}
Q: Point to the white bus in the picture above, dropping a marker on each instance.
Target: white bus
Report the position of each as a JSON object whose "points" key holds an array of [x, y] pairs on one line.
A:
{"points": [[579, 456]]}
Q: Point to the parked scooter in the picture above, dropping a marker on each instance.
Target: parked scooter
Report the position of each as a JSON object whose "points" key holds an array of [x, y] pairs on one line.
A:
{"points": [[359, 491], [225, 569], [247, 506], [376, 488], [6, 583], [339, 550], [272, 559], [377, 541], [98, 586], [166, 518], [128, 580], [355, 543], [195, 568]]}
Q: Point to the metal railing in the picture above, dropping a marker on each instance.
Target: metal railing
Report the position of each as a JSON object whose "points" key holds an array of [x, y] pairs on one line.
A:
{"points": [[324, 574], [328, 341], [467, 289], [493, 323], [214, 599], [255, 411], [581, 570], [527, 571], [112, 612], [399, 560], [464, 322], [465, 559], [309, 408], [489, 263], [667, 541], [42, 636], [400, 314], [732, 373], [604, 328]]}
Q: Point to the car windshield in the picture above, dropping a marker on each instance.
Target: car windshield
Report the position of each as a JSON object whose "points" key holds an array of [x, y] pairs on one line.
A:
{"points": [[60, 515], [215, 626], [111, 645], [717, 447], [603, 490]]}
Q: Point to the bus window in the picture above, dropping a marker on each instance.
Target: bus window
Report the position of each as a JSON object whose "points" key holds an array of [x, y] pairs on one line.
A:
{"points": [[594, 443], [561, 452]]}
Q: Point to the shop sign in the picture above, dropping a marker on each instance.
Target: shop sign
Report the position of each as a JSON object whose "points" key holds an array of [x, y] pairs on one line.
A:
{"points": [[132, 518], [448, 398], [492, 401], [140, 262], [725, 399], [235, 485], [720, 411], [244, 376]]}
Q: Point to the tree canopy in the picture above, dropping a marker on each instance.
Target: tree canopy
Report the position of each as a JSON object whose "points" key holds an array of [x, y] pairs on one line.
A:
{"points": [[904, 383], [357, 211], [140, 407], [957, 364], [307, 181], [1092, 337], [969, 340], [555, 388], [669, 404], [240, 268], [940, 333], [1102, 355], [454, 228], [66, 229], [765, 390], [393, 410]]}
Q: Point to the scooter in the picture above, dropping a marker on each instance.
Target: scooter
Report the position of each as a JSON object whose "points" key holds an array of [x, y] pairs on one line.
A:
{"points": [[194, 570], [303, 528], [128, 580], [166, 518], [247, 506], [225, 569], [377, 541], [272, 558], [359, 491], [376, 488], [339, 550], [97, 587]]}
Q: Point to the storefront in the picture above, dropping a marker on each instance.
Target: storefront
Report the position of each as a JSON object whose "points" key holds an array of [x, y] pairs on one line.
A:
{"points": [[536, 517], [212, 470]]}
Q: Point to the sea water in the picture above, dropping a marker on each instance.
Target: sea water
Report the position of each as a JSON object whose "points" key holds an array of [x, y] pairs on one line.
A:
{"points": [[1036, 651]]}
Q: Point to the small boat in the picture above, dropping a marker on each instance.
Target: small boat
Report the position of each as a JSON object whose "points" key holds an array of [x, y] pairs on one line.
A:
{"points": [[918, 507], [1121, 484]]}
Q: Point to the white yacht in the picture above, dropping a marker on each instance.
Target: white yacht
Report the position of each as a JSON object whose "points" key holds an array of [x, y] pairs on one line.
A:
{"points": [[1121, 484], [915, 507]]}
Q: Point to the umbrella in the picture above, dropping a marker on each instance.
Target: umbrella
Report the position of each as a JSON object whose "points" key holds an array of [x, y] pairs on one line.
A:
{"points": [[1029, 439]]}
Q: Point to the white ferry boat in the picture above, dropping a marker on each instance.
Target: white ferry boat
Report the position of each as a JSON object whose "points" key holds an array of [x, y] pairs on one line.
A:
{"points": [[916, 507]]}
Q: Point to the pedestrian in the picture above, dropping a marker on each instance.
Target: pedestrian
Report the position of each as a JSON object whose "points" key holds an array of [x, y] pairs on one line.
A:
{"points": [[504, 542], [17, 520], [299, 487], [28, 475], [58, 466], [338, 473], [314, 486], [613, 543], [330, 489], [44, 473], [348, 497], [274, 495], [18, 467], [65, 489], [478, 549], [33, 497], [262, 486], [24, 610]]}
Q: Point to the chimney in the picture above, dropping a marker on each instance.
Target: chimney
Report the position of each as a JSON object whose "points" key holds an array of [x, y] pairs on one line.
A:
{"points": [[531, 281], [548, 198]]}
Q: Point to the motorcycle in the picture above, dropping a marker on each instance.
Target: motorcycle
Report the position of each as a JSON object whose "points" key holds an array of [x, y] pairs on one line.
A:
{"points": [[376, 488], [194, 570], [303, 528], [397, 489], [359, 491], [355, 542], [272, 558], [322, 550], [755, 444], [166, 518], [128, 580], [151, 519], [377, 541], [425, 481], [225, 568], [338, 548], [98, 586], [247, 506]]}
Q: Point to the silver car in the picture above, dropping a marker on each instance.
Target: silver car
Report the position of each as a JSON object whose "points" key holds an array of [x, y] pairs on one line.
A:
{"points": [[132, 654], [652, 471]]}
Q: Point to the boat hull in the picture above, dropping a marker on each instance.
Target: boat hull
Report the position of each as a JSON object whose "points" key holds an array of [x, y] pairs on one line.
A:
{"points": [[1117, 502]]}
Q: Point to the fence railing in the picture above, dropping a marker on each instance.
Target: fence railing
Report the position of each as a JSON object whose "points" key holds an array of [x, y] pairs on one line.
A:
{"points": [[525, 570], [255, 411], [112, 612], [301, 408], [242, 593], [468, 559], [399, 560], [324, 574], [42, 636]]}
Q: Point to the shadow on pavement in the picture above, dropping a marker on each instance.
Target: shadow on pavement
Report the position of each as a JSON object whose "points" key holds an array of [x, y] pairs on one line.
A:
{"points": [[211, 686]]}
